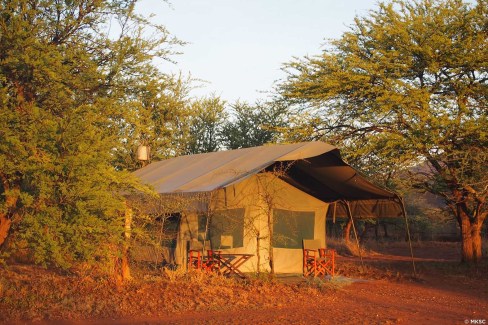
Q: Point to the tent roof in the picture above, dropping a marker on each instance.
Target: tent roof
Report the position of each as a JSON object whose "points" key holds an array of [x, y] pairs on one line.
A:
{"points": [[315, 167], [214, 170]]}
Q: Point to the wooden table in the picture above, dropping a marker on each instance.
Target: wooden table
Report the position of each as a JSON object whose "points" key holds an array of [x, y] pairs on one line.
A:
{"points": [[230, 263]]}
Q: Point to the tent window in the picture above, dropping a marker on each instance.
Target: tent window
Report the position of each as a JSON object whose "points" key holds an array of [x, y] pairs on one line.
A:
{"points": [[202, 228], [226, 228], [290, 228]]}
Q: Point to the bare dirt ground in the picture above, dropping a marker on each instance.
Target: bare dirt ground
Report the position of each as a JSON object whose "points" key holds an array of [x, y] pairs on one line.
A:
{"points": [[384, 292]]}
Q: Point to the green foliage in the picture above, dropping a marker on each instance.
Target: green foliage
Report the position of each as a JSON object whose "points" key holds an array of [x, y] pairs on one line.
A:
{"points": [[69, 91], [404, 93], [253, 125], [205, 125], [158, 108]]}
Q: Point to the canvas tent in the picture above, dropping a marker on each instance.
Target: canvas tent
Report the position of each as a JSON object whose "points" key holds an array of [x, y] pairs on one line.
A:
{"points": [[247, 196]]}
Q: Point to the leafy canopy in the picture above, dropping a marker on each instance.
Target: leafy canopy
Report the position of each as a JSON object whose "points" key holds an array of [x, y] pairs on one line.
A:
{"points": [[74, 76], [406, 86], [253, 125]]}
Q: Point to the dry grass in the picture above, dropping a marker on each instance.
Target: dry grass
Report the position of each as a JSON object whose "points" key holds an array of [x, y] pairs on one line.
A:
{"points": [[344, 248], [431, 257], [328, 284], [30, 293]]}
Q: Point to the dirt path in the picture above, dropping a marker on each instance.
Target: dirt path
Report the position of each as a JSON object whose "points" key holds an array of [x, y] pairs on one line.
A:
{"points": [[439, 296], [371, 302]]}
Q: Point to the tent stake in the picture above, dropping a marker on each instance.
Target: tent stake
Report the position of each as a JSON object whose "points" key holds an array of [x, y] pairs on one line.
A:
{"points": [[348, 208], [404, 212]]}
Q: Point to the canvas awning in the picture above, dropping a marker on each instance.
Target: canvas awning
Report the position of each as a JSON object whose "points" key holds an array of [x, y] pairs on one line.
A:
{"points": [[314, 167]]}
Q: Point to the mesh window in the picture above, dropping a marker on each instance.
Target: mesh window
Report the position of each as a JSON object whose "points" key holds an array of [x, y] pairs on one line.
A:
{"points": [[226, 228], [202, 227], [290, 228]]}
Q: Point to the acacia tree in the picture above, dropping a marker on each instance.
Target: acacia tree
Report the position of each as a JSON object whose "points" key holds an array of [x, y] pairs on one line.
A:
{"points": [[207, 116], [253, 125], [65, 81], [159, 108], [406, 86], [164, 117]]}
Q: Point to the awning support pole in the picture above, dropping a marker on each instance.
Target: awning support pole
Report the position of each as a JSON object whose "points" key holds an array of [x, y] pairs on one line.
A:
{"points": [[349, 213], [334, 216], [404, 212], [208, 216]]}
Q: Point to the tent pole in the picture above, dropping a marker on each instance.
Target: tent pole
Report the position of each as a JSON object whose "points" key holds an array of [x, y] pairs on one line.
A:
{"points": [[208, 215], [334, 216], [404, 212], [348, 208]]}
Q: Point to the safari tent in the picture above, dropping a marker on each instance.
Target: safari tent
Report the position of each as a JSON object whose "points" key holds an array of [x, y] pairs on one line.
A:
{"points": [[264, 200]]}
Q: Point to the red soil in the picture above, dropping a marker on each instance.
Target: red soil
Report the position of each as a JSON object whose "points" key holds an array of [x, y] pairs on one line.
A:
{"points": [[387, 293]]}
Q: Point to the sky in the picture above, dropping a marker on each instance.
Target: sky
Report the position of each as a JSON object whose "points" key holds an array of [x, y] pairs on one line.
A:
{"points": [[239, 46]]}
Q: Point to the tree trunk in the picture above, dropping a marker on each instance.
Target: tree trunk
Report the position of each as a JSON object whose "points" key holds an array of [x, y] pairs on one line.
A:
{"points": [[124, 263], [125, 267], [468, 209], [477, 243], [270, 229], [258, 251], [5, 224], [470, 237], [364, 233], [347, 231], [11, 193]]}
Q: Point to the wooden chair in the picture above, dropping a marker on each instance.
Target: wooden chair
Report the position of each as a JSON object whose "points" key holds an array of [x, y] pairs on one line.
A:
{"points": [[195, 258], [198, 261], [317, 260], [327, 260], [212, 261]]}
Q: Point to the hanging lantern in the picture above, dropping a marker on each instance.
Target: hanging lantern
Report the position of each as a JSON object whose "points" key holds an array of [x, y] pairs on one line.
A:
{"points": [[143, 153]]}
